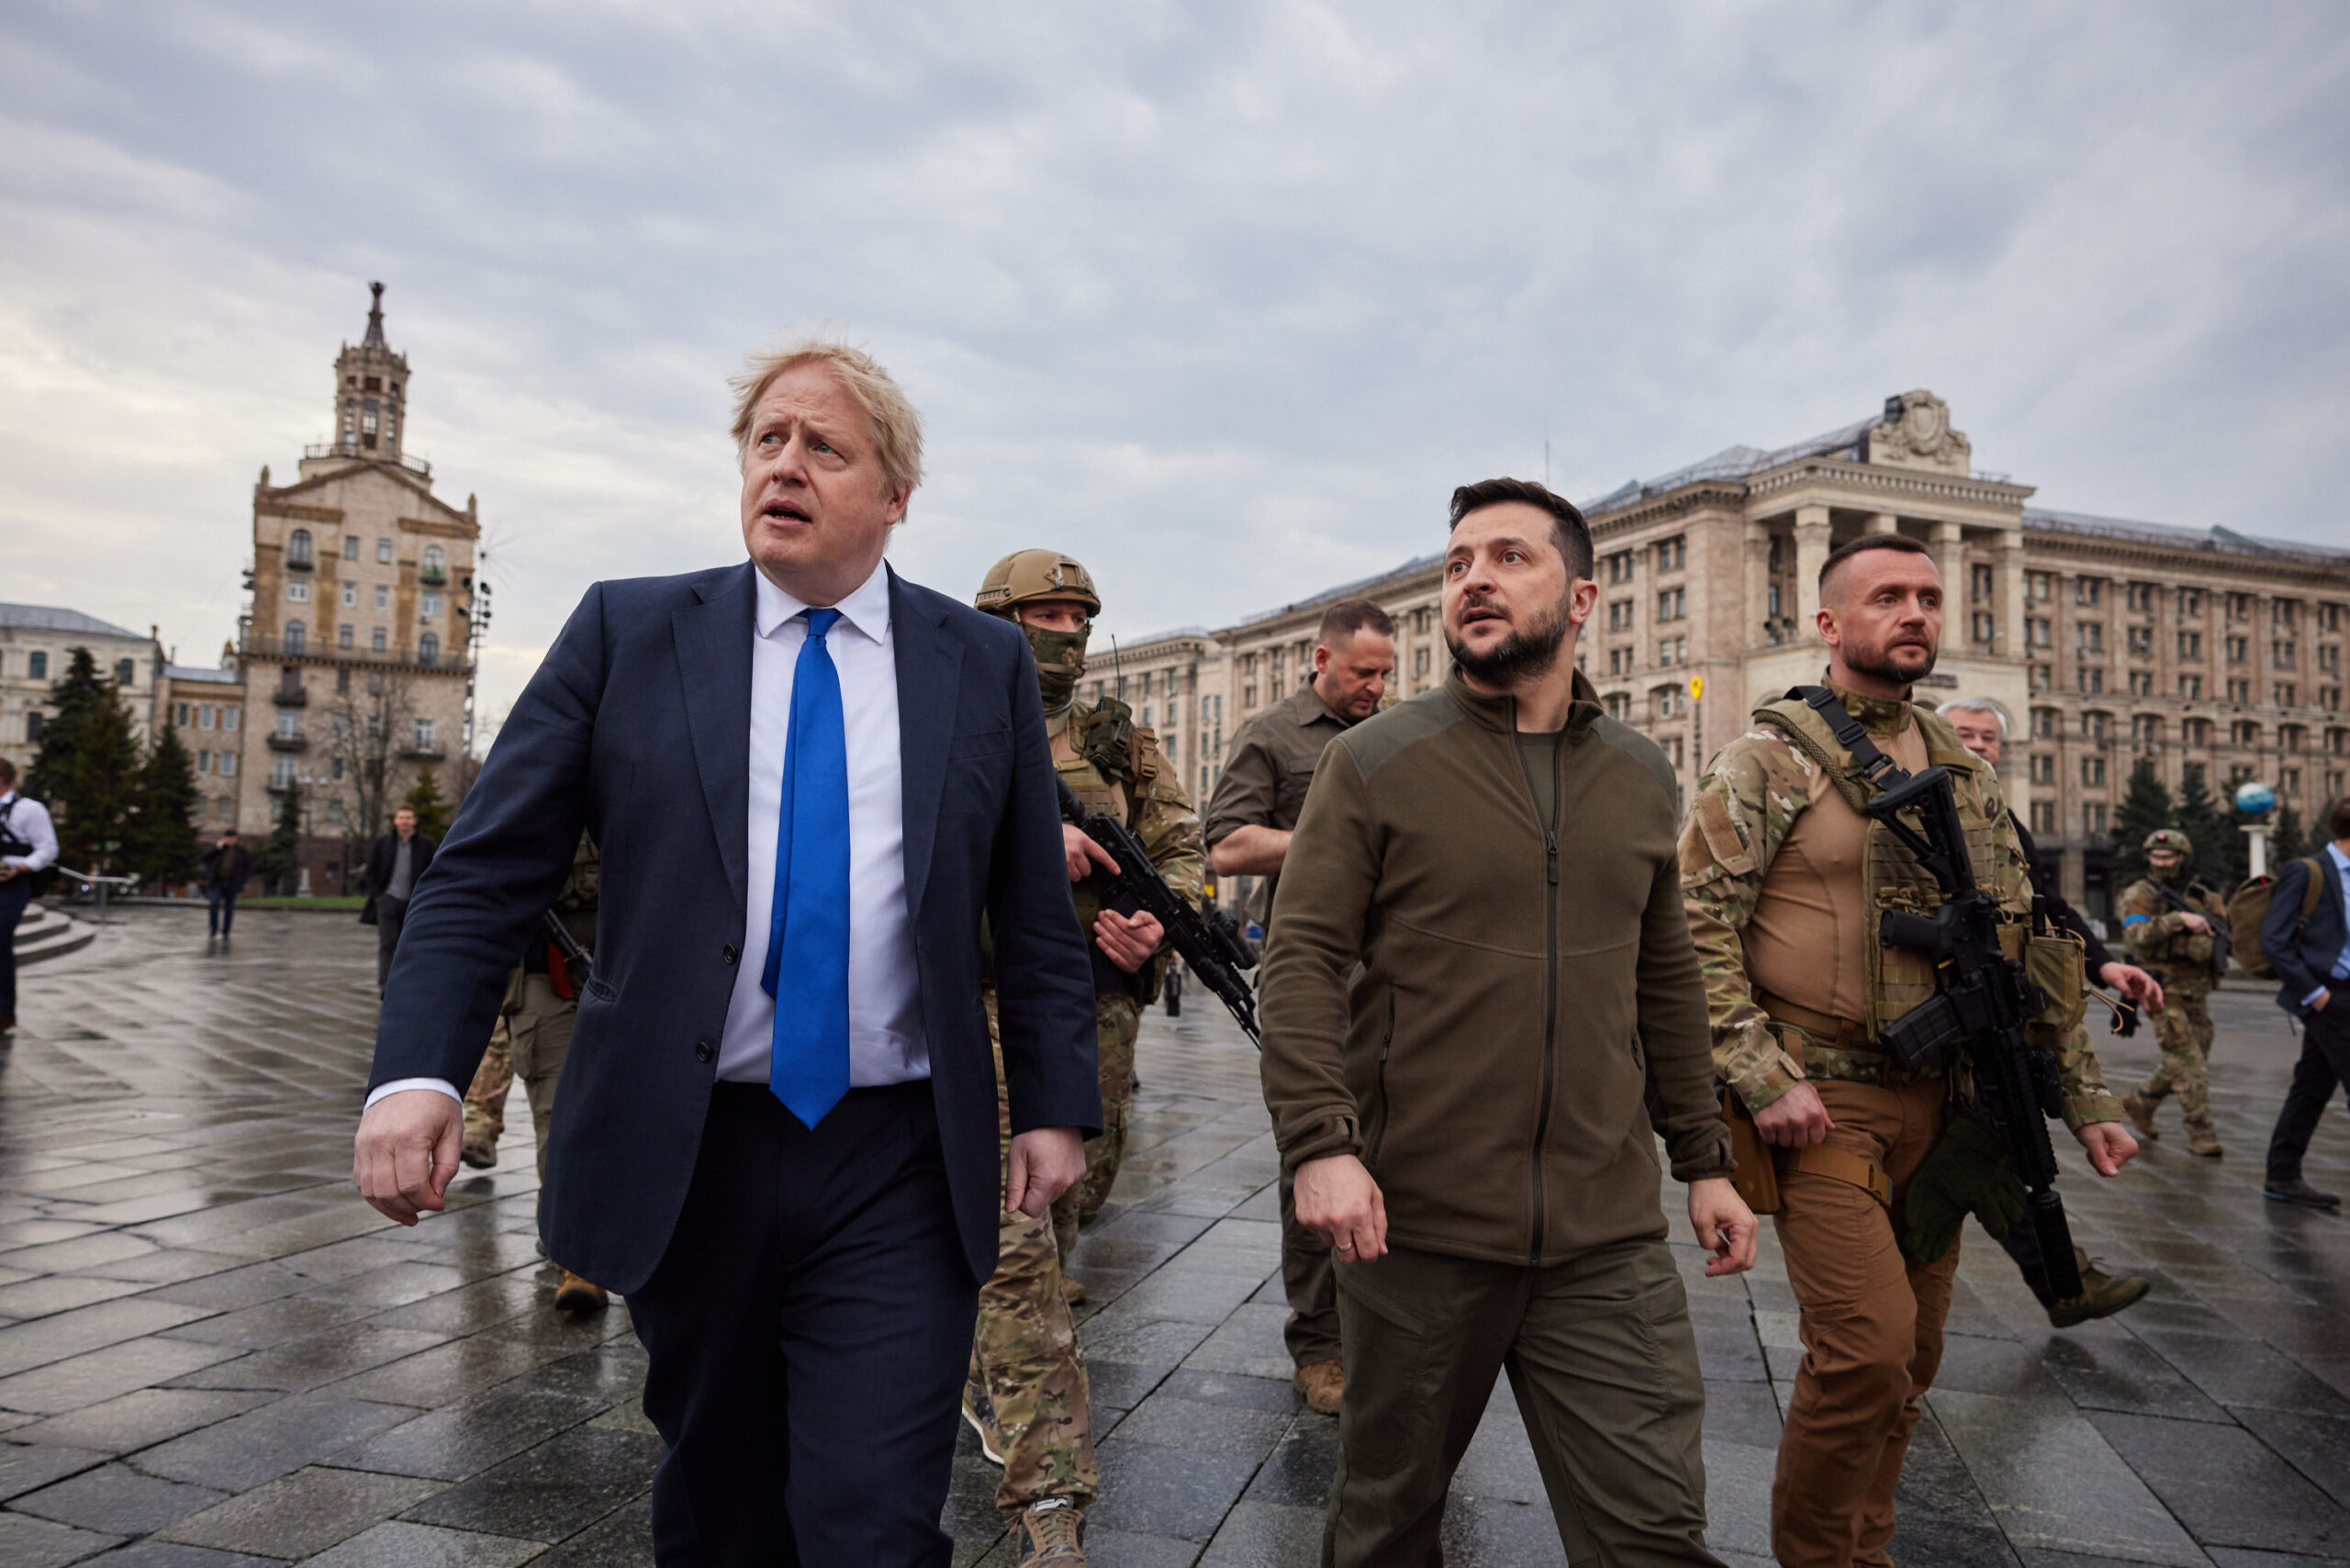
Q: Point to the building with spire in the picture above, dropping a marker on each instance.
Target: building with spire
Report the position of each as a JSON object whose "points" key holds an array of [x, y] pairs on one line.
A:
{"points": [[357, 649]]}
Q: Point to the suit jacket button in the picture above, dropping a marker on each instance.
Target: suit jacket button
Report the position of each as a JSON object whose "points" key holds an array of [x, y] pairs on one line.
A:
{"points": [[703, 1052], [728, 953]]}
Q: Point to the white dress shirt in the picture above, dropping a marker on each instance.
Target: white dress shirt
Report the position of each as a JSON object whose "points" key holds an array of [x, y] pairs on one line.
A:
{"points": [[886, 1041], [29, 819]]}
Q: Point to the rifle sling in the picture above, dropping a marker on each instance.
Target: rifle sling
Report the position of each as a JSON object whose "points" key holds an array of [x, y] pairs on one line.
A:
{"points": [[1880, 771]]}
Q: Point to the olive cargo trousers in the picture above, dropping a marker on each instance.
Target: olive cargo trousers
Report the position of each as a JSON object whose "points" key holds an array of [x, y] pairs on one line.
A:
{"points": [[1602, 1358], [1872, 1333]]}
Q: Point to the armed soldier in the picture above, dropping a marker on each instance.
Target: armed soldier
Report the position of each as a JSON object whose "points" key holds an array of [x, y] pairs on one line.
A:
{"points": [[533, 1037], [1783, 876], [1255, 810], [2178, 929], [1026, 1394]]}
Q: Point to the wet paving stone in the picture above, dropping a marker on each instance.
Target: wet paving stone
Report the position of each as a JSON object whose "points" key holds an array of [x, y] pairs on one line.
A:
{"points": [[196, 1315]]}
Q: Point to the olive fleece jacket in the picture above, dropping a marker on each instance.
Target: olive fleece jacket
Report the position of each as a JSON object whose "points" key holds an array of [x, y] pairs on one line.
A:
{"points": [[1527, 997]]}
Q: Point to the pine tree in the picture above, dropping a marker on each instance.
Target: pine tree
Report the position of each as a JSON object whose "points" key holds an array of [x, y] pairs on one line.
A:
{"points": [[2285, 840], [2206, 820], [2146, 805], [160, 845], [432, 811], [280, 857], [87, 768]]}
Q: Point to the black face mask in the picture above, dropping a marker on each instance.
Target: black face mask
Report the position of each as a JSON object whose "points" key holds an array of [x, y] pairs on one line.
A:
{"points": [[1060, 663]]}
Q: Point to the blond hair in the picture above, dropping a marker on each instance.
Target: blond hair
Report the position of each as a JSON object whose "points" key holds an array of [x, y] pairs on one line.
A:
{"points": [[897, 429]]}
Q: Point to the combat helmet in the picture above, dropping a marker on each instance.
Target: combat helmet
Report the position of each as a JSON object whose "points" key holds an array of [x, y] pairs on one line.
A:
{"points": [[1026, 575], [2169, 838]]}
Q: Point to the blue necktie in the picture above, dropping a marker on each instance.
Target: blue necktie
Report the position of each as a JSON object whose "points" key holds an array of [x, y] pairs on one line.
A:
{"points": [[806, 968]]}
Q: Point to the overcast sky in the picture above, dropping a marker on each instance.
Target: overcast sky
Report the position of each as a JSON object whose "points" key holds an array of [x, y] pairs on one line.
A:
{"points": [[1224, 299]]}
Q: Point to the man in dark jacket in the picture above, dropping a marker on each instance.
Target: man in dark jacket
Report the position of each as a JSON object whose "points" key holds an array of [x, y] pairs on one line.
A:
{"points": [[2311, 955], [227, 866], [1482, 1005], [396, 863]]}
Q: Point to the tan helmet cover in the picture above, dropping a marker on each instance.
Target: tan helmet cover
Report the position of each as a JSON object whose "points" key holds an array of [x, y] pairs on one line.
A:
{"points": [[2169, 838], [1026, 575]]}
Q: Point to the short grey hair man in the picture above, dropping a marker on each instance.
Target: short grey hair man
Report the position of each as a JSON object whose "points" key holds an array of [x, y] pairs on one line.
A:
{"points": [[1977, 705]]}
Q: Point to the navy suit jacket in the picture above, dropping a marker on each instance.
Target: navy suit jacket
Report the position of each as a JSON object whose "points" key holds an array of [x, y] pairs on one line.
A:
{"points": [[637, 728], [2304, 958]]}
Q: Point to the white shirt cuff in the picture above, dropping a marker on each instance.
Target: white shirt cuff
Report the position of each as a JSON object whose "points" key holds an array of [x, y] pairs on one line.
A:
{"points": [[2312, 996], [400, 1085]]}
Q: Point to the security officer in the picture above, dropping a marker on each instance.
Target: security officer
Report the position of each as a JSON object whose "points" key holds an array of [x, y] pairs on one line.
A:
{"points": [[1026, 1395], [1781, 876], [532, 1039], [2180, 947]]}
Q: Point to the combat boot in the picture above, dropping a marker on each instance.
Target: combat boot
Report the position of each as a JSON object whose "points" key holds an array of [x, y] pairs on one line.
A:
{"points": [[1049, 1535], [2142, 1116], [979, 1411], [575, 1294], [2101, 1296], [2202, 1140], [1324, 1384], [1071, 1290]]}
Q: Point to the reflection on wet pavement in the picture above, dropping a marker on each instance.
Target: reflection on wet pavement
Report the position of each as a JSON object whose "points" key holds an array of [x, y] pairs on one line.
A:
{"points": [[212, 1353]]}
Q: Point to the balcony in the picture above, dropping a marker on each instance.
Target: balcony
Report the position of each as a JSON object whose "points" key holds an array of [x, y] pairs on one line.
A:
{"points": [[291, 696], [433, 577], [352, 449], [424, 753], [301, 564], [264, 647], [289, 743]]}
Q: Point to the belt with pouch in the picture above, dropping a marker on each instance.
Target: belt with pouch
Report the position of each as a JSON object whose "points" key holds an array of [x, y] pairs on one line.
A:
{"points": [[1838, 1048]]}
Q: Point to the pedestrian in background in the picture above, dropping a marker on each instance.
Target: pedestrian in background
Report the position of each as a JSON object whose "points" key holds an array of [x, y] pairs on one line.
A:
{"points": [[226, 865], [2175, 926], [28, 848], [2309, 943], [1250, 818], [395, 861], [1481, 1009]]}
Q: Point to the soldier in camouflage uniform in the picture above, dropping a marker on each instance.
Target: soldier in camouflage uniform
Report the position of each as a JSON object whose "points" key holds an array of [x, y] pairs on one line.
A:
{"points": [[532, 1039], [1026, 1395], [2177, 948], [1783, 876]]}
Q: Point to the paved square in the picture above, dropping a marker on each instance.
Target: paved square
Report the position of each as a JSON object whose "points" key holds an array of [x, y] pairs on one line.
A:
{"points": [[212, 1353]]}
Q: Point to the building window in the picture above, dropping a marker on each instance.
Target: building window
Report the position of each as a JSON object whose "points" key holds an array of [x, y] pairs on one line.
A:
{"points": [[334, 813], [126, 672], [2239, 691], [2043, 767], [281, 773], [428, 606], [2044, 723], [1672, 553], [2093, 818], [288, 724], [2093, 770], [424, 734], [1619, 706], [2088, 636], [2142, 683], [298, 636], [179, 715], [2238, 650], [32, 725], [1985, 626], [1619, 615], [2088, 591], [2146, 729], [2142, 641], [351, 596], [2040, 632], [2044, 818], [1673, 604], [383, 597], [334, 769], [2191, 602], [1419, 661], [297, 548], [2039, 585], [2089, 679], [298, 591], [436, 562], [2282, 654], [224, 809], [2285, 694], [1980, 577], [343, 635], [1619, 566], [377, 640], [2245, 734], [428, 651], [2190, 644], [342, 683], [2239, 607], [351, 547], [2093, 726], [384, 551], [229, 717], [2142, 597], [37, 666]]}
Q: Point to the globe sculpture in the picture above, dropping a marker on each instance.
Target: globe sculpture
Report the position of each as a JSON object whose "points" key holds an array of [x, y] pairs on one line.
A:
{"points": [[2254, 799]]}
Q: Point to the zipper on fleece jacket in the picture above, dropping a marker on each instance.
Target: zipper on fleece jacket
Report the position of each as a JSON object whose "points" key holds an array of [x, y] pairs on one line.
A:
{"points": [[1550, 954], [1387, 1041]]}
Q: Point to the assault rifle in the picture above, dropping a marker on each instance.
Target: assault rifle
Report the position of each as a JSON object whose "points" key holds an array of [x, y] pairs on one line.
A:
{"points": [[2222, 939], [1985, 998], [577, 960], [1212, 947]]}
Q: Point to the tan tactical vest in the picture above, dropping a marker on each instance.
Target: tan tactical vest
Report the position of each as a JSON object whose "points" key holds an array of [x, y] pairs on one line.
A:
{"points": [[1901, 978]]}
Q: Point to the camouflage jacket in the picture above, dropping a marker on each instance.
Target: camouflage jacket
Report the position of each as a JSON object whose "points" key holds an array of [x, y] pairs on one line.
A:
{"points": [[2157, 935], [1759, 785]]}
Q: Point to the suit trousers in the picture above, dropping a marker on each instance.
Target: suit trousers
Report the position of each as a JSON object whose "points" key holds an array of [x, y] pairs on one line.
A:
{"points": [[390, 914], [16, 893], [807, 1329], [1872, 1328], [1603, 1360], [2324, 1067]]}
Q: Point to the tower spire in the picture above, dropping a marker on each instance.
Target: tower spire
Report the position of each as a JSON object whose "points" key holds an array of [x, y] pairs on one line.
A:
{"points": [[374, 339]]}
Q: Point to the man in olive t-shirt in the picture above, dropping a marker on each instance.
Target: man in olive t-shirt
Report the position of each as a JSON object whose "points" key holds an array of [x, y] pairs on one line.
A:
{"points": [[1249, 823]]}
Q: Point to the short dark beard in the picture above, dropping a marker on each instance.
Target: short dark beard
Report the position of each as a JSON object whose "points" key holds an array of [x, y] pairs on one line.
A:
{"points": [[1879, 665], [1521, 655]]}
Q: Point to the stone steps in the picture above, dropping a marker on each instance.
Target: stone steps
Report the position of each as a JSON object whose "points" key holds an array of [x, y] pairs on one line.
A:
{"points": [[46, 932]]}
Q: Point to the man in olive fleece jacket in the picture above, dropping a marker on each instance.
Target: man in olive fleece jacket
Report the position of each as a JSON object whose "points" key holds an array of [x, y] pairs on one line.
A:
{"points": [[1468, 1112]]}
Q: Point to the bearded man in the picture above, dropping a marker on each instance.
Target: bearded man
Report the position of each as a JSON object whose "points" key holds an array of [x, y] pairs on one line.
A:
{"points": [[1480, 1008]]}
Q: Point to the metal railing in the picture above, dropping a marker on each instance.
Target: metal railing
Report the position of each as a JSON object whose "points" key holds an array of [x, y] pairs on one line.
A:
{"points": [[255, 645], [418, 466]]}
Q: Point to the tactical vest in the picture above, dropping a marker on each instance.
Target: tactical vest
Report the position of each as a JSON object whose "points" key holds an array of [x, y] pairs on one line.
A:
{"points": [[2187, 951], [1108, 764], [1901, 978]]}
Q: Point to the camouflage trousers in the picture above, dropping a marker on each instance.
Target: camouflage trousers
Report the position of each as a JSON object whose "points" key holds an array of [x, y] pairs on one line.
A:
{"points": [[1117, 1020], [532, 1039], [1025, 1358], [2184, 1030]]}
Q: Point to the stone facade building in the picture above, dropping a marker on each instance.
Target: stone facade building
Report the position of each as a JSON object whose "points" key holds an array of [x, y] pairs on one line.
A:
{"points": [[356, 650], [37, 641], [2104, 639]]}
